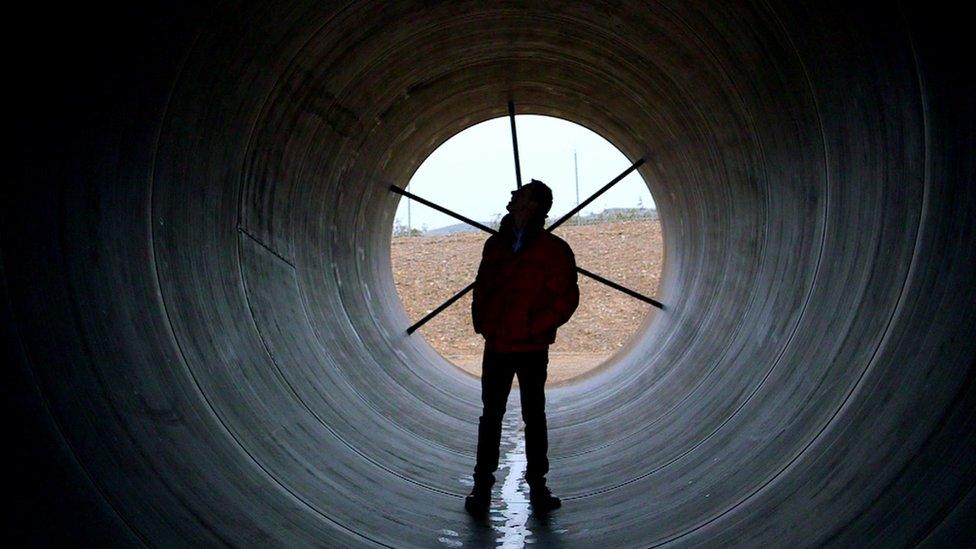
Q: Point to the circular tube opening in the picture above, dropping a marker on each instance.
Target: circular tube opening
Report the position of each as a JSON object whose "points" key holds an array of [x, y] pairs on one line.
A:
{"points": [[617, 235]]}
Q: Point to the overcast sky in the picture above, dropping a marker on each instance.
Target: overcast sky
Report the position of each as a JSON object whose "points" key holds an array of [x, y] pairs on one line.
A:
{"points": [[473, 173]]}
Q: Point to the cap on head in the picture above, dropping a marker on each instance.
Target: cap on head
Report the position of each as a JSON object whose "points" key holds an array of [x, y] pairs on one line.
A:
{"points": [[541, 194]]}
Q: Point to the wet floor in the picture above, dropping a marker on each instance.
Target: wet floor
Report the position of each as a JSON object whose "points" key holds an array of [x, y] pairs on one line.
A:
{"points": [[510, 522]]}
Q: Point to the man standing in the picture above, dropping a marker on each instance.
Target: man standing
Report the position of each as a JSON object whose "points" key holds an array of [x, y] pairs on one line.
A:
{"points": [[526, 288]]}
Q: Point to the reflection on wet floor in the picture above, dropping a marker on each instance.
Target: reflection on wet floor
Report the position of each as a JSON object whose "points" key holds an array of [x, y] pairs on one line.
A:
{"points": [[510, 522], [510, 515]]}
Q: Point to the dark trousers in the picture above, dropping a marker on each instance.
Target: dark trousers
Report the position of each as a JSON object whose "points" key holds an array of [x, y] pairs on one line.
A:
{"points": [[497, 372]]}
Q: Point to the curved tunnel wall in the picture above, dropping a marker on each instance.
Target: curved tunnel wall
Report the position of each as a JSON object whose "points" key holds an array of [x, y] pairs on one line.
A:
{"points": [[202, 308]]}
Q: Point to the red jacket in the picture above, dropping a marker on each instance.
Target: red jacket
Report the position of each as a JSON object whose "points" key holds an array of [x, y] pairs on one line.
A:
{"points": [[521, 298]]}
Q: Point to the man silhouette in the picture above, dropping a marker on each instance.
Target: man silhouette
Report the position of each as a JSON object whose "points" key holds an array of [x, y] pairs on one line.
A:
{"points": [[525, 289]]}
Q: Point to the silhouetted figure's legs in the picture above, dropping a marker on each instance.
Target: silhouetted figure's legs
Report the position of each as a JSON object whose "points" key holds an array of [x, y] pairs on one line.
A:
{"points": [[497, 372]]}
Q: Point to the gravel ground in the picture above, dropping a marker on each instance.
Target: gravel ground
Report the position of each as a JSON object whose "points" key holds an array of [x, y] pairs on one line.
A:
{"points": [[429, 270]]}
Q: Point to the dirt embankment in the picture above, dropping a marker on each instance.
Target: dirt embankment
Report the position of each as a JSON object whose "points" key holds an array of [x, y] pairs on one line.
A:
{"points": [[429, 270]]}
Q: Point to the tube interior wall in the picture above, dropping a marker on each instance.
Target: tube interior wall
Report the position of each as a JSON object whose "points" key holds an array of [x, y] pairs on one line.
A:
{"points": [[200, 304]]}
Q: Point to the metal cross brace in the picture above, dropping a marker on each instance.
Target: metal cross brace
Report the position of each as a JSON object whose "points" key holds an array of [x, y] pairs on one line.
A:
{"points": [[559, 222]]}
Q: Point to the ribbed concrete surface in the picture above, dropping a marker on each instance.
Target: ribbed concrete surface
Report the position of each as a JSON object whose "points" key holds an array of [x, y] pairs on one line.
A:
{"points": [[206, 347]]}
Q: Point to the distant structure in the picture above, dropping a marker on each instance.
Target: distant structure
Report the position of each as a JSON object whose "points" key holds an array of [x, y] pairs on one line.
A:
{"points": [[606, 216]]}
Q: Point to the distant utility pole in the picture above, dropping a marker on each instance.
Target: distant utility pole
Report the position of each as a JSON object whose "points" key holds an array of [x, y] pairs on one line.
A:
{"points": [[576, 171], [409, 226]]}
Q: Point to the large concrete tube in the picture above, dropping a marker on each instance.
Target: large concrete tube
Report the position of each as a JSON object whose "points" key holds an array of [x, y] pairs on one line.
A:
{"points": [[205, 345]]}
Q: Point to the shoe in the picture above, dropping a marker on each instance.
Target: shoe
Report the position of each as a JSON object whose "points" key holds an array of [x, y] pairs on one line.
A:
{"points": [[478, 502], [542, 500]]}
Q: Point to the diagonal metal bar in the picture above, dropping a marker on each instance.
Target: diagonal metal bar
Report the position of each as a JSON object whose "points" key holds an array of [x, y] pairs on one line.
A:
{"points": [[518, 166], [442, 209], [595, 195], [623, 289], [438, 310]]}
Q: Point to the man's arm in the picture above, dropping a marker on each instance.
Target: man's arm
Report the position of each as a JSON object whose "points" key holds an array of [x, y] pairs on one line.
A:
{"points": [[563, 288], [481, 290]]}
